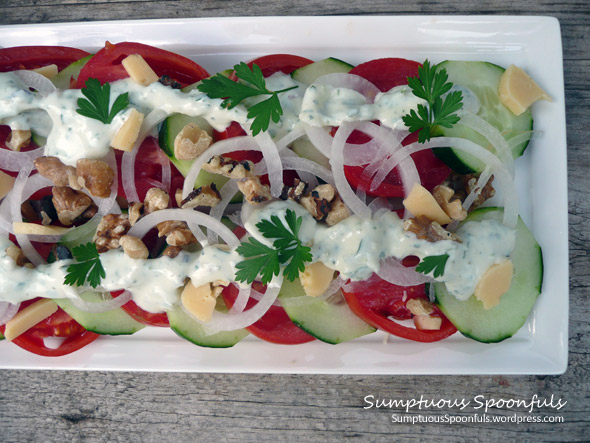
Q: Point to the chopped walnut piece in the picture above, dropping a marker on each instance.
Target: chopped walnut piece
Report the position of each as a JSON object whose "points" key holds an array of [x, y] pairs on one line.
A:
{"points": [[135, 212], [177, 233], [110, 230], [96, 176], [295, 192], [318, 201], [338, 212], [254, 191], [228, 167], [171, 251], [191, 142], [452, 207], [207, 195], [134, 247], [426, 229], [464, 184], [18, 139], [17, 254], [69, 204], [53, 169], [155, 199], [167, 81]]}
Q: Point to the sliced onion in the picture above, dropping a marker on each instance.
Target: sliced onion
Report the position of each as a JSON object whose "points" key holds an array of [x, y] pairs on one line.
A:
{"points": [[290, 137], [337, 163], [273, 161], [230, 322], [7, 311], [227, 192], [305, 165], [513, 142], [36, 81], [190, 216], [498, 142], [395, 273], [258, 296], [107, 305], [16, 160], [350, 81], [241, 301], [105, 205], [484, 177]]}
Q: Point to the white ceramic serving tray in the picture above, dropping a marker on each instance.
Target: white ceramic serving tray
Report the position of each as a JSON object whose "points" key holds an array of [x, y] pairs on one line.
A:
{"points": [[533, 43]]}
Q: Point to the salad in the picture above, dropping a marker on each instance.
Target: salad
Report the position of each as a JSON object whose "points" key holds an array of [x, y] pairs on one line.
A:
{"points": [[292, 199]]}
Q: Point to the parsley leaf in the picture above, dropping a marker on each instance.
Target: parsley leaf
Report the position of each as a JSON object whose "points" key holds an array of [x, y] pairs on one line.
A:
{"points": [[431, 84], [88, 267], [234, 93], [96, 103], [434, 263], [287, 250]]}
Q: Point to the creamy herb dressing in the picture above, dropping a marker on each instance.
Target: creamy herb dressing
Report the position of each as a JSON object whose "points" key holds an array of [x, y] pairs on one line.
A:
{"points": [[354, 247]]}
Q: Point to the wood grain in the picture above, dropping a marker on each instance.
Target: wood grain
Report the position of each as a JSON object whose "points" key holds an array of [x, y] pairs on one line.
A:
{"points": [[106, 406]]}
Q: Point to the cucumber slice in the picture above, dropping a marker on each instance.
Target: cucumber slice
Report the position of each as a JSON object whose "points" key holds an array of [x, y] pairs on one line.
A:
{"points": [[193, 331], [483, 79], [1, 336], [310, 73], [504, 320], [115, 322], [38, 140], [303, 147], [329, 322], [62, 79]]}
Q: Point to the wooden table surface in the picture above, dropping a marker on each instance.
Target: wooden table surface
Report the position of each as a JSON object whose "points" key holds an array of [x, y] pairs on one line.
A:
{"points": [[113, 406]]}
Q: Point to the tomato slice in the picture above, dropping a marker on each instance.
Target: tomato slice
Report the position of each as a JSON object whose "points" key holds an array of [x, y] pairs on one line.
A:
{"points": [[275, 326], [142, 316], [106, 65], [32, 57], [379, 300], [387, 73], [59, 324]]}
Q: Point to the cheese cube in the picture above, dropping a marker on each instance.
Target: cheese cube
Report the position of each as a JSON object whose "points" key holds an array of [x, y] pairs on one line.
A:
{"points": [[421, 202], [494, 283], [316, 279], [6, 184], [427, 323], [29, 317], [139, 70], [518, 91], [48, 71], [199, 301], [127, 135]]}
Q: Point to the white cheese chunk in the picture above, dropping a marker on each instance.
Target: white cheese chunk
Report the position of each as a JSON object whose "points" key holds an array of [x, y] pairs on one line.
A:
{"points": [[421, 202], [48, 71], [494, 283], [199, 301], [316, 279], [126, 137], [139, 70], [6, 184], [518, 91], [35, 229]]}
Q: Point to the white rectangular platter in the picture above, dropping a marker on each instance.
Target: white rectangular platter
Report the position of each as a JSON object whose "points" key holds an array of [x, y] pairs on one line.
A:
{"points": [[533, 43]]}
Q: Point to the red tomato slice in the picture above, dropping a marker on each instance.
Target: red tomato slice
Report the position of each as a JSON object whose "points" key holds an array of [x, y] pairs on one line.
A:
{"points": [[32, 57], [379, 300], [387, 73], [275, 326], [59, 324], [106, 65]]}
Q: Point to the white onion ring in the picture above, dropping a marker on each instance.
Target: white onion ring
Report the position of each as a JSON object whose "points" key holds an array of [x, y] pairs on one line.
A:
{"points": [[227, 192], [106, 204], [258, 296], [103, 306], [36, 81], [350, 81], [290, 137], [394, 272], [273, 161], [513, 142], [484, 177], [241, 301], [7, 311], [16, 160]]}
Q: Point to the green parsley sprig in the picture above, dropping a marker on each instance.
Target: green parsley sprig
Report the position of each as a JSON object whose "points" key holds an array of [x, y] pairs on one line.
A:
{"points": [[431, 84], [434, 263], [96, 103], [88, 267], [234, 93], [287, 250]]}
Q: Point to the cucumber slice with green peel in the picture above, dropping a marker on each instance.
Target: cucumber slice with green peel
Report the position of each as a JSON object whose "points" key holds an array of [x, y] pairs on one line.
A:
{"points": [[483, 79], [329, 322], [38, 140], [184, 326], [310, 73], [63, 77], [115, 322], [1, 336], [505, 319]]}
